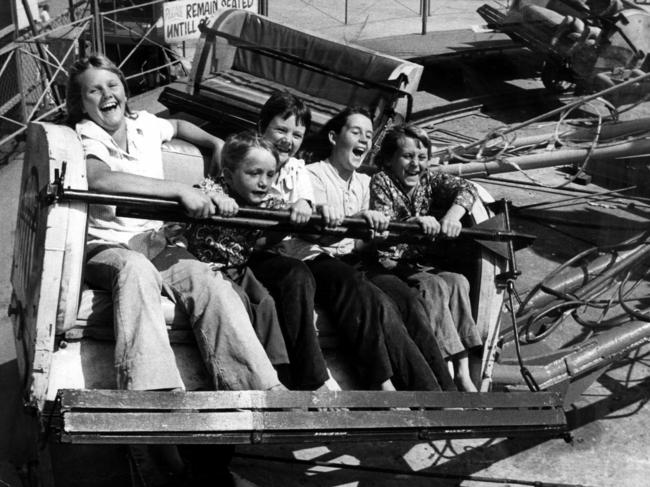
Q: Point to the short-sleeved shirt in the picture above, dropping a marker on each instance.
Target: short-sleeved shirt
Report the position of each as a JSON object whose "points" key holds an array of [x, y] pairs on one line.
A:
{"points": [[44, 16], [352, 196], [145, 134], [435, 193], [225, 246], [293, 182]]}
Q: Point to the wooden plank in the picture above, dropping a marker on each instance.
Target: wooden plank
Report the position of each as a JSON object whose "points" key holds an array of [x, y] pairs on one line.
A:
{"points": [[197, 422], [221, 400], [257, 437]]}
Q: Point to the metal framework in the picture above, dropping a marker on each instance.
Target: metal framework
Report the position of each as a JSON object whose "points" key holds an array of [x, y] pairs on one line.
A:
{"points": [[33, 65]]}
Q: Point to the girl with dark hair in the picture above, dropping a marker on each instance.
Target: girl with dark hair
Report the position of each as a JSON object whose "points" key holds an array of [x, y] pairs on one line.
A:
{"points": [[284, 121], [407, 190], [371, 323]]}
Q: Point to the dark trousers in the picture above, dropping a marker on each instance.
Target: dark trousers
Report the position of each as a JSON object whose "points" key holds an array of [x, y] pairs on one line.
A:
{"points": [[262, 311], [417, 322], [371, 325], [292, 286]]}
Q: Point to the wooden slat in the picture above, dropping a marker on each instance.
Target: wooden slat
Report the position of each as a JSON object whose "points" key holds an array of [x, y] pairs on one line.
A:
{"points": [[75, 399], [192, 422], [242, 417], [305, 436]]}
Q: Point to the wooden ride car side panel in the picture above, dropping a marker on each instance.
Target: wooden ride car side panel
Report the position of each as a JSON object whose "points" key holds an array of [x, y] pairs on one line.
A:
{"points": [[45, 234]]}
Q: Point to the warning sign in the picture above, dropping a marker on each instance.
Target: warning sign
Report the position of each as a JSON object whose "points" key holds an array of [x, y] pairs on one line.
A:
{"points": [[181, 18]]}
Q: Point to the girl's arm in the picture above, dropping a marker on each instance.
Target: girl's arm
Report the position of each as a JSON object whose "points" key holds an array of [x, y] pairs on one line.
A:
{"points": [[101, 178], [377, 220], [301, 209], [196, 135], [450, 223], [383, 199], [455, 193], [445, 190]]}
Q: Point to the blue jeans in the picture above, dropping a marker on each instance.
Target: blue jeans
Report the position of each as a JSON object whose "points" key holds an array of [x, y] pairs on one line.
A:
{"points": [[143, 356]]}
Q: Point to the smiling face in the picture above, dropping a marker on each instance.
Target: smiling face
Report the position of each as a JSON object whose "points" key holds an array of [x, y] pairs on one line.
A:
{"points": [[103, 98], [253, 176], [408, 162], [352, 143], [286, 135]]}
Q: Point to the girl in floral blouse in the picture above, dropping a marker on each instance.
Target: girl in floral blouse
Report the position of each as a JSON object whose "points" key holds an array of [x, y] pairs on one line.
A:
{"points": [[249, 164], [249, 170], [407, 190]]}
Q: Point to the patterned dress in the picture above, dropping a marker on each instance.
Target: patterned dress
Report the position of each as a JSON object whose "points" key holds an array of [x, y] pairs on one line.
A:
{"points": [[226, 247], [435, 194], [446, 293]]}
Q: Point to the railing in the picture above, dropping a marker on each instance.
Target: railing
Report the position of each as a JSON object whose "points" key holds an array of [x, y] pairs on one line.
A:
{"points": [[34, 64], [32, 72]]}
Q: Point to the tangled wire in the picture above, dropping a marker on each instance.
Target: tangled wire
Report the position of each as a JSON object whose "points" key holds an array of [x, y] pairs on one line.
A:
{"points": [[625, 261]]}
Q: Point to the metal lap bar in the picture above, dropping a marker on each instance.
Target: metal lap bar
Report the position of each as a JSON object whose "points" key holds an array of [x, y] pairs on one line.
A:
{"points": [[249, 417], [135, 206]]}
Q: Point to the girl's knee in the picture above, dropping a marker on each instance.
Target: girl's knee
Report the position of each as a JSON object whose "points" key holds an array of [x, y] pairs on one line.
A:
{"points": [[455, 280], [201, 275], [434, 288], [134, 265], [298, 274]]}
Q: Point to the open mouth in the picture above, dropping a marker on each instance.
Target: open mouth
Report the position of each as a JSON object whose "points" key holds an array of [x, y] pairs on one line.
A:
{"points": [[107, 107], [359, 151], [282, 148]]}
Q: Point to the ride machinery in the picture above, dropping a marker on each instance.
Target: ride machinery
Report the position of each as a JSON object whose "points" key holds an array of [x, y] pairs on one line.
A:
{"points": [[590, 45]]}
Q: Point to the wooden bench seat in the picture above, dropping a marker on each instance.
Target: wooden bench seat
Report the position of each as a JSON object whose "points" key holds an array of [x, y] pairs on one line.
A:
{"points": [[242, 57], [236, 87], [78, 352]]}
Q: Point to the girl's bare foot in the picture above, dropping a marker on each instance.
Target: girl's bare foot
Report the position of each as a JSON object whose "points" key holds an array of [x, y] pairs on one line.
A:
{"points": [[466, 384], [462, 376], [331, 385]]}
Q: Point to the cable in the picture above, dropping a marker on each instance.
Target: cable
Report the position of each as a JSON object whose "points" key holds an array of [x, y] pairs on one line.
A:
{"points": [[640, 239], [568, 304], [638, 315], [525, 373]]}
